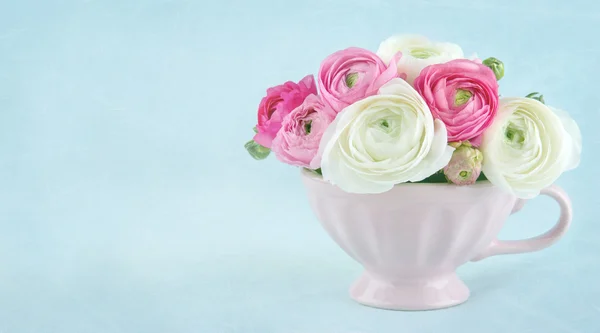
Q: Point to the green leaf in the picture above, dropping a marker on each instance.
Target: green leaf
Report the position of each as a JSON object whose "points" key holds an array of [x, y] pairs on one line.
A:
{"points": [[317, 171], [255, 129], [437, 177], [541, 99], [257, 151], [532, 94], [440, 178], [537, 96]]}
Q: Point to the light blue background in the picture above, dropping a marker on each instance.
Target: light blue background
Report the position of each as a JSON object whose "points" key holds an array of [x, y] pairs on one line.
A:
{"points": [[127, 203]]}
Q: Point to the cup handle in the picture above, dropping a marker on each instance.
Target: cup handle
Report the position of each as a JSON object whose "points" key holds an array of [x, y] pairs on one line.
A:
{"points": [[540, 242]]}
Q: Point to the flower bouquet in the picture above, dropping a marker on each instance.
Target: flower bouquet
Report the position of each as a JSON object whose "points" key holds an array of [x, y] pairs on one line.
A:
{"points": [[412, 162]]}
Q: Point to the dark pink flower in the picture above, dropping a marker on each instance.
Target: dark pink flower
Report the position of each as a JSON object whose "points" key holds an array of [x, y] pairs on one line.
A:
{"points": [[278, 103], [463, 94]]}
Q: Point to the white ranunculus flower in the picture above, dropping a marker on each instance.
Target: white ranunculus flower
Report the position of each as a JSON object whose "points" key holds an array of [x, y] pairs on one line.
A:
{"points": [[528, 146], [383, 140], [418, 52]]}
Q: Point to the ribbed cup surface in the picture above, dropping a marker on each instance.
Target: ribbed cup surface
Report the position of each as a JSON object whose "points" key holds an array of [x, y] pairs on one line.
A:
{"points": [[414, 229]]}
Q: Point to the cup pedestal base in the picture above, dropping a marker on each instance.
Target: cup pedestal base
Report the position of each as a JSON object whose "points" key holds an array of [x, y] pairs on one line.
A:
{"points": [[424, 293]]}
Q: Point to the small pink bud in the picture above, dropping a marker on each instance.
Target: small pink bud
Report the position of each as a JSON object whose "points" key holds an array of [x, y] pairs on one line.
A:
{"points": [[464, 166]]}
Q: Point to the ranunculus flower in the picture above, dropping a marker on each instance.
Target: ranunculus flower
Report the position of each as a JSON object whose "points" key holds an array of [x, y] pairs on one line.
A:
{"points": [[383, 140], [463, 94], [528, 146], [297, 142], [352, 74], [418, 52], [278, 103], [465, 165]]}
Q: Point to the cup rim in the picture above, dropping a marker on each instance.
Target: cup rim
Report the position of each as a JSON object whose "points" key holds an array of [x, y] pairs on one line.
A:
{"points": [[480, 184]]}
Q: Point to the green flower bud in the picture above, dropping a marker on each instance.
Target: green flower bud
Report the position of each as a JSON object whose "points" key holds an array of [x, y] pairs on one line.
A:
{"points": [[496, 66]]}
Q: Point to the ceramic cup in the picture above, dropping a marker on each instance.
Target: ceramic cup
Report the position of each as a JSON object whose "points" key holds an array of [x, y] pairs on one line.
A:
{"points": [[411, 239]]}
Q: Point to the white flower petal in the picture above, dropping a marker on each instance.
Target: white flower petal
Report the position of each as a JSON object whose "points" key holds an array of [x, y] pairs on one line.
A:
{"points": [[384, 140], [528, 146], [418, 52], [574, 135], [439, 154]]}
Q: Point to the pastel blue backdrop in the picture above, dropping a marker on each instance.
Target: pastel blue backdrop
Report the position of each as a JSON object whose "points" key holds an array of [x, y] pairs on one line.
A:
{"points": [[128, 204]]}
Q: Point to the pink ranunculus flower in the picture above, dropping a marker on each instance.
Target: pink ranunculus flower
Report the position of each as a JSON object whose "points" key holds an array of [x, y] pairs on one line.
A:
{"points": [[465, 165], [350, 75], [278, 103], [463, 94], [297, 143]]}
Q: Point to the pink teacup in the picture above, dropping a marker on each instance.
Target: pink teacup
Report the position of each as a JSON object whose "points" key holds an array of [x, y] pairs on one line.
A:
{"points": [[411, 239]]}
